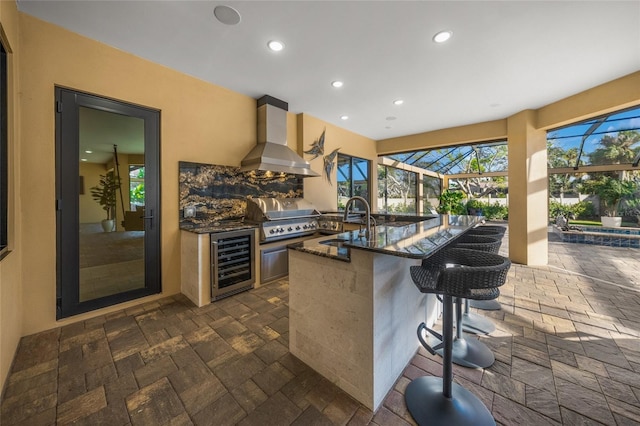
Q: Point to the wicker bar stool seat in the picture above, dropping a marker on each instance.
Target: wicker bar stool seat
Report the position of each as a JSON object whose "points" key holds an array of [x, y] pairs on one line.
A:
{"points": [[485, 232], [497, 232], [494, 228], [488, 243], [474, 323], [453, 273]]}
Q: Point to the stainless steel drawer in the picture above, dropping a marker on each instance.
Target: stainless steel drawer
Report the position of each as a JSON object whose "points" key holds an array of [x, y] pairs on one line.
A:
{"points": [[274, 263]]}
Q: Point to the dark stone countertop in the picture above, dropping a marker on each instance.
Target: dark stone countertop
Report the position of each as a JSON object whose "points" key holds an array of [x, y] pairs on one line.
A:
{"points": [[216, 226], [414, 240]]}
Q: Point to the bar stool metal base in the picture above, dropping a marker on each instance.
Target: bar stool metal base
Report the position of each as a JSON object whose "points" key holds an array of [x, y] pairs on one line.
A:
{"points": [[470, 353], [429, 406], [486, 305], [477, 324]]}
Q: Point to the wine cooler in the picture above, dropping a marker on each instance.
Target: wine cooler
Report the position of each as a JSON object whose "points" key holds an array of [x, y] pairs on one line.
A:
{"points": [[232, 262]]}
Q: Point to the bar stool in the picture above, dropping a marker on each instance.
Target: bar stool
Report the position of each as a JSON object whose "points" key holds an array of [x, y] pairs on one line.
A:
{"points": [[459, 273], [498, 232], [465, 352], [495, 228], [473, 323]]}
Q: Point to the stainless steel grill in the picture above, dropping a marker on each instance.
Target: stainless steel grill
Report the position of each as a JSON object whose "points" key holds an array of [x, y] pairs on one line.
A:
{"points": [[282, 218]]}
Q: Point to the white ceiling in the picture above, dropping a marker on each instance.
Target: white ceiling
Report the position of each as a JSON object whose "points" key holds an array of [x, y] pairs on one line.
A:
{"points": [[504, 57]]}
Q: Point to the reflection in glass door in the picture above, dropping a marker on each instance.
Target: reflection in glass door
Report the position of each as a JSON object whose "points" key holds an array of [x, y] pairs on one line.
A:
{"points": [[111, 227], [107, 197]]}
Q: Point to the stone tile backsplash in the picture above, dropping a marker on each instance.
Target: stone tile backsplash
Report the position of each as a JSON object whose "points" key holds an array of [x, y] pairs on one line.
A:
{"points": [[214, 193]]}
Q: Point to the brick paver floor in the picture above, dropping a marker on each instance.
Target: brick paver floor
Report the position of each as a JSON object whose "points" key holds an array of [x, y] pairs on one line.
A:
{"points": [[567, 349]]}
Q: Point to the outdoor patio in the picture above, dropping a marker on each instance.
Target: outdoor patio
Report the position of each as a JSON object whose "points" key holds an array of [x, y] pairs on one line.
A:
{"points": [[567, 349]]}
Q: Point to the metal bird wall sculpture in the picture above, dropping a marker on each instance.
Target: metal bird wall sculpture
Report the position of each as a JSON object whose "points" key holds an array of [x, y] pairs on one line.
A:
{"points": [[329, 164], [317, 147]]}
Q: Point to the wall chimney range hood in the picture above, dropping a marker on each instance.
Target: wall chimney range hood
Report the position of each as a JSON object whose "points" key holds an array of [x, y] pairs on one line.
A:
{"points": [[272, 153]]}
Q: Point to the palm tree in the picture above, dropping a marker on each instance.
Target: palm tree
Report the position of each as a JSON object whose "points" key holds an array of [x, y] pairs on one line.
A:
{"points": [[618, 149]]}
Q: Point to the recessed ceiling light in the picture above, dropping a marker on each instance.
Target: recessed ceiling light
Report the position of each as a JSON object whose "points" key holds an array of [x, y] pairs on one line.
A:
{"points": [[398, 102], [227, 15], [275, 45], [390, 118], [337, 83], [83, 159], [89, 152], [442, 36], [344, 117]]}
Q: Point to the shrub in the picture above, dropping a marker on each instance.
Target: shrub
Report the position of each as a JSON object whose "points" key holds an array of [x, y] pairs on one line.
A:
{"points": [[451, 202], [495, 211], [583, 210], [402, 208], [558, 209]]}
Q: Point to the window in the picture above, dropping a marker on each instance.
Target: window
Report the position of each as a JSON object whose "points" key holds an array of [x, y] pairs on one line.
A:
{"points": [[353, 179], [431, 190], [136, 187], [4, 161], [606, 140], [481, 157], [396, 190]]}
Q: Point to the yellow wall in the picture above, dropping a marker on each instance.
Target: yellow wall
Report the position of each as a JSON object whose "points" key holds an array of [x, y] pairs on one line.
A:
{"points": [[486, 131], [318, 190], [615, 95], [11, 300], [200, 122]]}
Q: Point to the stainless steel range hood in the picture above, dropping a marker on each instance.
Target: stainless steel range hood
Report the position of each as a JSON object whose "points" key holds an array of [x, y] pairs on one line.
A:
{"points": [[272, 153]]}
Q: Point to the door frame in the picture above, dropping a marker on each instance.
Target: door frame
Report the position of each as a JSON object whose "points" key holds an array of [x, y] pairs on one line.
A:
{"points": [[67, 106]]}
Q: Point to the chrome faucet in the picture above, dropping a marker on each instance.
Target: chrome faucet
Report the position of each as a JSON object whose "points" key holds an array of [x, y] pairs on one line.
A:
{"points": [[367, 231]]}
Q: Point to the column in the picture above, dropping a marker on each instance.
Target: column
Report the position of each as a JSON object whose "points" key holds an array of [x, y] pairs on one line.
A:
{"points": [[528, 192]]}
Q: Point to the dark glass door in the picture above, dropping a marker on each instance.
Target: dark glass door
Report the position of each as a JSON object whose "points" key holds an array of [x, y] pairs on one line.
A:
{"points": [[107, 202]]}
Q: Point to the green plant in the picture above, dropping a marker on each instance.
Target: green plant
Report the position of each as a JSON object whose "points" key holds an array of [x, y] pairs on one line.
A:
{"points": [[583, 210], [451, 202], [474, 204], [558, 209], [610, 191], [495, 211], [105, 193], [402, 208], [137, 194]]}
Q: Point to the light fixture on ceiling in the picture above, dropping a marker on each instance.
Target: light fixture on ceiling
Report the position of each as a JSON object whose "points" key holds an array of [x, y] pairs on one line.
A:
{"points": [[398, 102], [83, 159], [337, 84], [442, 36], [275, 45], [89, 152], [344, 117], [390, 118], [227, 15]]}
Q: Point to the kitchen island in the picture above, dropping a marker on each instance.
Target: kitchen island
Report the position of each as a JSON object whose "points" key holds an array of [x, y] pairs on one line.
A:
{"points": [[353, 308]]}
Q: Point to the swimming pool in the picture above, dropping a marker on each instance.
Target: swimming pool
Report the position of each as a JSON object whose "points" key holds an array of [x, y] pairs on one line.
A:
{"points": [[597, 235]]}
